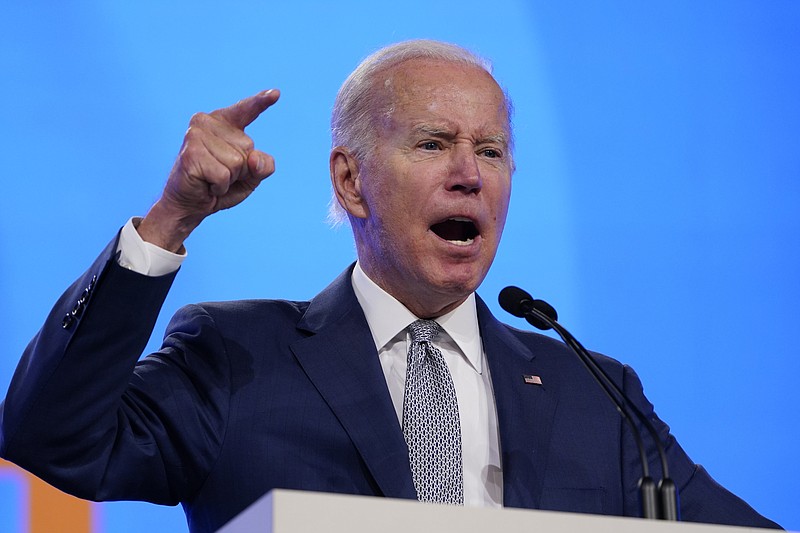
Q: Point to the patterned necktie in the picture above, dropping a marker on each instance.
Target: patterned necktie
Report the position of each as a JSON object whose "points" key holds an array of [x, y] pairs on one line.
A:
{"points": [[431, 425]]}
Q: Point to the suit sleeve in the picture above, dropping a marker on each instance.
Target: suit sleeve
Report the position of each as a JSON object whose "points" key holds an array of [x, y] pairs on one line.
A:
{"points": [[701, 499], [83, 415]]}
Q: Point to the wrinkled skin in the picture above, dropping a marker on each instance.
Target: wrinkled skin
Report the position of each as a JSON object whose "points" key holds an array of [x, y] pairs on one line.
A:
{"points": [[442, 153]]}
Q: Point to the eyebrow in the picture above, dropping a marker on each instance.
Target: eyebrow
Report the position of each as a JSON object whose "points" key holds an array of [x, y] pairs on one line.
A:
{"points": [[433, 131], [445, 133], [498, 138]]}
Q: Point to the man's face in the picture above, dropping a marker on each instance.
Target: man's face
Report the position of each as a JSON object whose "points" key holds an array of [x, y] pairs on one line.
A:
{"points": [[436, 188]]}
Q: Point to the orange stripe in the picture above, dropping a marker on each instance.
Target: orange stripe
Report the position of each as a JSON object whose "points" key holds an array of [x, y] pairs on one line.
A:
{"points": [[52, 510]]}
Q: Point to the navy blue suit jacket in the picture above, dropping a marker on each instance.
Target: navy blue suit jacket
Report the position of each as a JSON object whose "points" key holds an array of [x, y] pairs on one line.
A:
{"points": [[247, 396]]}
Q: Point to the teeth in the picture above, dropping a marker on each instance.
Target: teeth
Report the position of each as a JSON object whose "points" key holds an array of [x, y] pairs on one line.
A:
{"points": [[460, 219], [463, 243]]}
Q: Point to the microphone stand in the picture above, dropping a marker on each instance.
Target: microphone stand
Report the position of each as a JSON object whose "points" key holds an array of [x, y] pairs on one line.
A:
{"points": [[663, 496]]}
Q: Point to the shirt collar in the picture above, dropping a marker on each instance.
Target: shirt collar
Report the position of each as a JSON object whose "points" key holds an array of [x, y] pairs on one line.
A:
{"points": [[387, 318]]}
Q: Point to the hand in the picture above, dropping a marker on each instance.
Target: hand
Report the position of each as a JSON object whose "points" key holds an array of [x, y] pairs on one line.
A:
{"points": [[217, 168]]}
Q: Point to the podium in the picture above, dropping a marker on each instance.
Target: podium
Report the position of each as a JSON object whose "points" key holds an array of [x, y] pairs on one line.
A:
{"points": [[289, 511]]}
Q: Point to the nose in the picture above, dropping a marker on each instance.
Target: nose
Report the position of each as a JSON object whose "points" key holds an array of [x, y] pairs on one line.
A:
{"points": [[464, 173]]}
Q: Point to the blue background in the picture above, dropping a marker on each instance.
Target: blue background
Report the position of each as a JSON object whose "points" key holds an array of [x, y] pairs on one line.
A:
{"points": [[655, 203]]}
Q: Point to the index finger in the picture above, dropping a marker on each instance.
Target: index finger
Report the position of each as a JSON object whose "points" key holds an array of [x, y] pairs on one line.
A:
{"points": [[245, 111]]}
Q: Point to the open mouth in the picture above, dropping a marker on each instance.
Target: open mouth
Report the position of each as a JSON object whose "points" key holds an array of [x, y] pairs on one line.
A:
{"points": [[457, 230]]}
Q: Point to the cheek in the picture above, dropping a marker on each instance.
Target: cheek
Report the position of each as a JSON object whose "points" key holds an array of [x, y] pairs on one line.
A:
{"points": [[500, 200]]}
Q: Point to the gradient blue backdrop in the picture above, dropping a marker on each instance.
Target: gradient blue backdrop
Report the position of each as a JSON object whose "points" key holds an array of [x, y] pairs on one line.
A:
{"points": [[655, 203]]}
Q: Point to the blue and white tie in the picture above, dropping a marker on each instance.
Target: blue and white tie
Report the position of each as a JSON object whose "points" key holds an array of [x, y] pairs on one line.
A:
{"points": [[431, 424]]}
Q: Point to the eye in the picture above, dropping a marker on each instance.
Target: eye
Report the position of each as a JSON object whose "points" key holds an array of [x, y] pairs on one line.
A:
{"points": [[491, 153], [430, 145]]}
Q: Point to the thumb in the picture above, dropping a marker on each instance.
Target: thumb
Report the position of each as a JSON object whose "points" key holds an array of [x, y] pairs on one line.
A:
{"points": [[260, 164]]}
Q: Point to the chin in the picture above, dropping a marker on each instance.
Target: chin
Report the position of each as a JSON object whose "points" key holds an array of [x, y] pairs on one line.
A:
{"points": [[460, 283]]}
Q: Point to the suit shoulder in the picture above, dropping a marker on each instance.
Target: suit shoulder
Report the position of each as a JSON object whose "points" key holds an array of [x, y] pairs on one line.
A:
{"points": [[545, 345], [535, 340], [244, 313]]}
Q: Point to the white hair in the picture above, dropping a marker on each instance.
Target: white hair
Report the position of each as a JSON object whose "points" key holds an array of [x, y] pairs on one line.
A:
{"points": [[357, 101]]}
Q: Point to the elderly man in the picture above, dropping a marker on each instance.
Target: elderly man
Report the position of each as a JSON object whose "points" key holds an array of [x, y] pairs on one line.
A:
{"points": [[395, 380]]}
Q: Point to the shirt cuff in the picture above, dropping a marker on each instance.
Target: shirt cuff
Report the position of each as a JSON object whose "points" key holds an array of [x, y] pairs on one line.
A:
{"points": [[144, 257]]}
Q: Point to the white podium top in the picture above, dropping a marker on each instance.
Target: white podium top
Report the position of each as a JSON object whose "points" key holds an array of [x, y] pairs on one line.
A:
{"points": [[288, 511]]}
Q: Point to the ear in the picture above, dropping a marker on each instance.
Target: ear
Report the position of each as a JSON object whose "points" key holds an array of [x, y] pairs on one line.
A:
{"points": [[346, 182]]}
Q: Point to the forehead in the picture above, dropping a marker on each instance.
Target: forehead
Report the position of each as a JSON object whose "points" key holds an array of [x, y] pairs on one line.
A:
{"points": [[421, 90]]}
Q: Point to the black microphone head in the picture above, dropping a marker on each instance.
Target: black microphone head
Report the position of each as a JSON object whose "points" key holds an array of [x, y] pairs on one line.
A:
{"points": [[519, 303], [515, 300], [546, 308]]}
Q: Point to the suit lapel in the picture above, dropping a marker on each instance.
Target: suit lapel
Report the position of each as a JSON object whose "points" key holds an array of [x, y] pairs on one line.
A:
{"points": [[341, 361], [524, 411]]}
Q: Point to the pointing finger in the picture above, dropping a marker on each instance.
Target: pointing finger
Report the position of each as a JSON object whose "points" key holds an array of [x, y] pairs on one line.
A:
{"points": [[245, 111]]}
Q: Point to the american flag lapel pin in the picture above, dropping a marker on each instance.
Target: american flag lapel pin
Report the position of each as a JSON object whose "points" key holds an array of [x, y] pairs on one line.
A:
{"points": [[532, 380]]}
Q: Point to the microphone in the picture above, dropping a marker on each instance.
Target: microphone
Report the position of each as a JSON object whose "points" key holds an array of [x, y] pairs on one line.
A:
{"points": [[543, 316], [519, 303]]}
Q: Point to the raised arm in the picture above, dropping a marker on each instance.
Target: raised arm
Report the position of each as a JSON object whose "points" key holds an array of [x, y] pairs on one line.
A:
{"points": [[77, 414]]}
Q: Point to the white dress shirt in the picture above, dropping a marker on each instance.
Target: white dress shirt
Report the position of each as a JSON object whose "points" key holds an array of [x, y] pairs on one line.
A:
{"points": [[462, 348], [460, 343], [144, 257]]}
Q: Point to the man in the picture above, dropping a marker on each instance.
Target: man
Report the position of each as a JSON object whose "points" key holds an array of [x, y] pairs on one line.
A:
{"points": [[346, 392]]}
